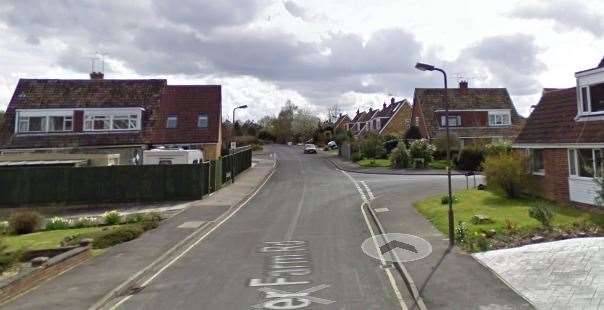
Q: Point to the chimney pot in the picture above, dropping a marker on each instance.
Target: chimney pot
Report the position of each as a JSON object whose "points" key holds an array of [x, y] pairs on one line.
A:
{"points": [[392, 100], [96, 75], [384, 105], [463, 84]]}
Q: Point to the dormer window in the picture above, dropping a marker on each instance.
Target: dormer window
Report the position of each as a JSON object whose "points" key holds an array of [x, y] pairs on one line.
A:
{"points": [[590, 92], [592, 98]]}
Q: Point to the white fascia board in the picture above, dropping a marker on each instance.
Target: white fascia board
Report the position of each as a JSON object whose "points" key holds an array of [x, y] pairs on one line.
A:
{"points": [[558, 145]]}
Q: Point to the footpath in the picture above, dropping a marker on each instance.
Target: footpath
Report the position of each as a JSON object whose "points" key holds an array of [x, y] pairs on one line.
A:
{"points": [[115, 271]]}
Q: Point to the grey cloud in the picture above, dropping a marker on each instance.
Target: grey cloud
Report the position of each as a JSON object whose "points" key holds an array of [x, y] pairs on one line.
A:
{"points": [[567, 15], [294, 9]]}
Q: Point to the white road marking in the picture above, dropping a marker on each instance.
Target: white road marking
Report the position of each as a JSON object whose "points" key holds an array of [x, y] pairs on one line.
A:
{"points": [[291, 300], [191, 224], [381, 210], [391, 279], [174, 260], [369, 192], [294, 222]]}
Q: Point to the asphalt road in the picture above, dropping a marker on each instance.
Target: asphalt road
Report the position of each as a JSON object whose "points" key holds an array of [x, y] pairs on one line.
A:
{"points": [[299, 236]]}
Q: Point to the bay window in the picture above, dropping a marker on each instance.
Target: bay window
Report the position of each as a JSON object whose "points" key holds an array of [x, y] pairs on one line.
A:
{"points": [[587, 163]]}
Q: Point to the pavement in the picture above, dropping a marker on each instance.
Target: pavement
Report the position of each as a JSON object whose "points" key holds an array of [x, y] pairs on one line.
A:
{"points": [[85, 285], [566, 274], [349, 166], [448, 278]]}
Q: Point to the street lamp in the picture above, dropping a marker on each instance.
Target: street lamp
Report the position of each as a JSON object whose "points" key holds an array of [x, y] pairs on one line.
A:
{"points": [[239, 107], [426, 67], [232, 151]]}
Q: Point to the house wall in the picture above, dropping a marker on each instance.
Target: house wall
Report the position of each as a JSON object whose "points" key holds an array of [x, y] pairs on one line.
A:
{"points": [[397, 124], [417, 119], [554, 184]]}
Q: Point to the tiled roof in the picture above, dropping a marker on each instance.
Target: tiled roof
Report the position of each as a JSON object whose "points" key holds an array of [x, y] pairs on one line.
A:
{"points": [[154, 96], [431, 100], [43, 93], [553, 121], [389, 110], [367, 116], [358, 116], [342, 119]]}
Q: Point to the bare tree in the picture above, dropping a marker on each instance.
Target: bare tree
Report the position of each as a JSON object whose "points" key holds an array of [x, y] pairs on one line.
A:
{"points": [[333, 113]]}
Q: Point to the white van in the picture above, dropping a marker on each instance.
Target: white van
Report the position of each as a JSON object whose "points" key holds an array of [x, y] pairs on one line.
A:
{"points": [[172, 157]]}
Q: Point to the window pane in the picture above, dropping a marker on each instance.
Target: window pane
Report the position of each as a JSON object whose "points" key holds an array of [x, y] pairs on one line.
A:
{"points": [[599, 163], [596, 93], [584, 99], [571, 162], [586, 163], [202, 121], [101, 123], [56, 123], [537, 156], [172, 122], [68, 123], [120, 123], [23, 124], [37, 123]]}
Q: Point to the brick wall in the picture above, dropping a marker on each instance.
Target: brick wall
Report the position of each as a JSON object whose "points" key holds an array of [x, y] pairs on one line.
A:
{"points": [[397, 124], [554, 184]]}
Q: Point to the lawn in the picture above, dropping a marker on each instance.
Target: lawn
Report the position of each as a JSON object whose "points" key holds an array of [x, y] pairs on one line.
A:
{"points": [[438, 164], [499, 209], [43, 239], [367, 163]]}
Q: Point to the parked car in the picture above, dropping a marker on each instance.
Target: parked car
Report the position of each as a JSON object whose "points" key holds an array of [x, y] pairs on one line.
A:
{"points": [[332, 145], [290, 143], [310, 149]]}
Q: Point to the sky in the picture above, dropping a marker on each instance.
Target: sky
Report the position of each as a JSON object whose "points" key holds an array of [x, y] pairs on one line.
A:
{"points": [[316, 53]]}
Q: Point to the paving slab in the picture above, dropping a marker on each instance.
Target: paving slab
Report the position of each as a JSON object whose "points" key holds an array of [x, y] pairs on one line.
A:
{"points": [[565, 274]]}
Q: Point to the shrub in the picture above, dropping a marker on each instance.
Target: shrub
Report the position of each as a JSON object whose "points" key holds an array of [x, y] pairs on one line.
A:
{"points": [[4, 227], [479, 219], [24, 222], [542, 213], [413, 133], [245, 140], [356, 156], [421, 149], [444, 200], [134, 218], [390, 145], [57, 223], [115, 235], [6, 259], [266, 135], [372, 146], [470, 159], [399, 157], [112, 217], [441, 144], [497, 148], [257, 147], [478, 242], [151, 220], [461, 233], [507, 172], [510, 227], [83, 222]]}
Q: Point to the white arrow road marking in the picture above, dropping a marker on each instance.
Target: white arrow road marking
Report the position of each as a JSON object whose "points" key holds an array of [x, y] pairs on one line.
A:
{"points": [[302, 295]]}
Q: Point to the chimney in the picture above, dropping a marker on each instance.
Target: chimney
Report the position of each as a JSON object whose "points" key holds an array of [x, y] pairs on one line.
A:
{"points": [[463, 87], [392, 100], [384, 105], [357, 111], [340, 114], [96, 75], [370, 110], [601, 65]]}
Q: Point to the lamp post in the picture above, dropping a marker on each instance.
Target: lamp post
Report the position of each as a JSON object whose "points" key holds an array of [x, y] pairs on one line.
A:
{"points": [[232, 140], [426, 67]]}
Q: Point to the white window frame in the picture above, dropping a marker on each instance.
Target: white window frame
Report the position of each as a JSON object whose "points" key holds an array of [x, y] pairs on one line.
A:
{"points": [[132, 114], [587, 87], [23, 116], [456, 117], [199, 116], [500, 114], [175, 117], [574, 153]]}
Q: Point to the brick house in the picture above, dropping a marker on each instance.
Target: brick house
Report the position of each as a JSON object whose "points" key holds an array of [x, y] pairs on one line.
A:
{"points": [[564, 138], [111, 117], [393, 119], [476, 115], [342, 123]]}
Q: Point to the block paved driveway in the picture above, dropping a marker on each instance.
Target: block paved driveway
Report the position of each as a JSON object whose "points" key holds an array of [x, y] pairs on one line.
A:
{"points": [[566, 274]]}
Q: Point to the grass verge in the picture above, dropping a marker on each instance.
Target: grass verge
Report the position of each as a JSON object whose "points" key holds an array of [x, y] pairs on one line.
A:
{"points": [[370, 163], [499, 209], [438, 164], [44, 239]]}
